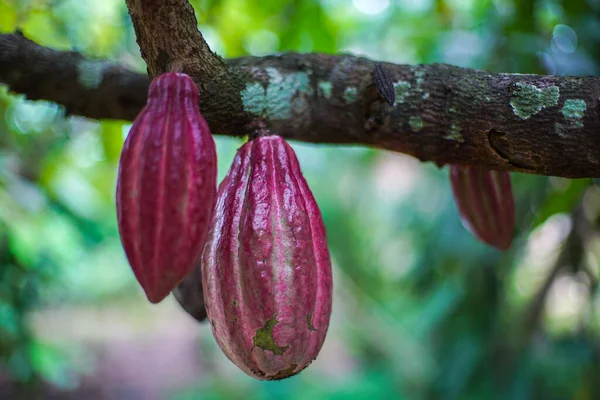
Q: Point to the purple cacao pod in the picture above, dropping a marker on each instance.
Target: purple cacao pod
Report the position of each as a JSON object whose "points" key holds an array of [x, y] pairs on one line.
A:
{"points": [[190, 296], [266, 268], [166, 186], [485, 201]]}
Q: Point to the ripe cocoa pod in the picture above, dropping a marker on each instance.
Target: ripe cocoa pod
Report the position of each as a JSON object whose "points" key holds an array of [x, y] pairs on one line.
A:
{"points": [[166, 186], [485, 202], [190, 296], [266, 268]]}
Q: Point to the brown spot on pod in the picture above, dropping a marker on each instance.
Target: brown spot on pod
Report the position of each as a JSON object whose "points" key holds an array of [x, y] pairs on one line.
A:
{"points": [[166, 186], [266, 264]]}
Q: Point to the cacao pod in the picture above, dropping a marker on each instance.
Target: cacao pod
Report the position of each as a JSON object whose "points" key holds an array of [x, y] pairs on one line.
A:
{"points": [[190, 296], [166, 186], [485, 202], [266, 268]]}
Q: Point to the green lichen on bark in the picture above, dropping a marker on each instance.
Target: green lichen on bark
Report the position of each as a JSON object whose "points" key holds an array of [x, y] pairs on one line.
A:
{"points": [[350, 94], [253, 98], [416, 123], [402, 89], [280, 97], [573, 111], [527, 100], [264, 338], [325, 88], [419, 74], [549, 96], [574, 108], [454, 133], [90, 74]]}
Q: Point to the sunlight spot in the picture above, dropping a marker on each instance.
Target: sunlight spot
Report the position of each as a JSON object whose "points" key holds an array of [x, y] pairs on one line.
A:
{"points": [[371, 7], [261, 43]]}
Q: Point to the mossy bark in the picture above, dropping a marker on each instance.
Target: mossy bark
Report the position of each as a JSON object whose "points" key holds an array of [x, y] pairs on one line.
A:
{"points": [[538, 124]]}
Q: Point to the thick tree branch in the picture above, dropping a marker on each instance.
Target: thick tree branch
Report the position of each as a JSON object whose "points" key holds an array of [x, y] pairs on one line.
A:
{"points": [[91, 88], [169, 39], [538, 124]]}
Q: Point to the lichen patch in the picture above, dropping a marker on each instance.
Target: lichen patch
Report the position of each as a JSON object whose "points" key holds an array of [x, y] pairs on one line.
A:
{"points": [[419, 74], [454, 133], [325, 88], [277, 100], [253, 97], [402, 89], [300, 104], [416, 123], [350, 94], [90, 73], [574, 109], [527, 100]]}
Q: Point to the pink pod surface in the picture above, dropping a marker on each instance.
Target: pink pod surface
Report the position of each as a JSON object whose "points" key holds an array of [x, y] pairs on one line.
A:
{"points": [[266, 267], [485, 201], [166, 186]]}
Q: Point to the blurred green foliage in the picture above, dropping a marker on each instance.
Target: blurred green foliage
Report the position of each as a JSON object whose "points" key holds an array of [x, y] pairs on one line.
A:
{"points": [[422, 310]]}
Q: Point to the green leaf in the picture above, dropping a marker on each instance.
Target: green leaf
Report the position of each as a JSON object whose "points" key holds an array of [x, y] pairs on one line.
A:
{"points": [[562, 201]]}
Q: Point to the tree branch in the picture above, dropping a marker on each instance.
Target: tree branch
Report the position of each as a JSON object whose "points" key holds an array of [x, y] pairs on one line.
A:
{"points": [[91, 88], [531, 123], [168, 37]]}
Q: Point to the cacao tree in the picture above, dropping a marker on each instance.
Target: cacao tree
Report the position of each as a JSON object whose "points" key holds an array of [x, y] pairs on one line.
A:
{"points": [[437, 315]]}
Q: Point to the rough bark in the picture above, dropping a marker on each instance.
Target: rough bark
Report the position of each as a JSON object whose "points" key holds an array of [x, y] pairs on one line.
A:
{"points": [[531, 123], [90, 88]]}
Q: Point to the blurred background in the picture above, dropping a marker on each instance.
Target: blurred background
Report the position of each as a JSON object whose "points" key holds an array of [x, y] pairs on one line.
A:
{"points": [[422, 310]]}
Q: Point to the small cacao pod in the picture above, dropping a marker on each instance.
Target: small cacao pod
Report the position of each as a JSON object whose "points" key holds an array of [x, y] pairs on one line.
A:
{"points": [[485, 202], [266, 268], [190, 296], [166, 186]]}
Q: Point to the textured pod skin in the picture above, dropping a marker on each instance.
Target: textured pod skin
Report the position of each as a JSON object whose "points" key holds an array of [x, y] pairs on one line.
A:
{"points": [[166, 186], [485, 201], [266, 268]]}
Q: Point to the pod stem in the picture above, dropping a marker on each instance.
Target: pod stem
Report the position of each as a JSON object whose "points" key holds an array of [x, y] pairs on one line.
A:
{"points": [[258, 128]]}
